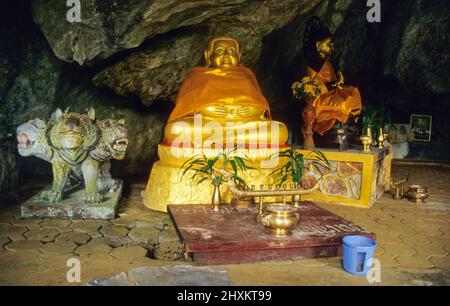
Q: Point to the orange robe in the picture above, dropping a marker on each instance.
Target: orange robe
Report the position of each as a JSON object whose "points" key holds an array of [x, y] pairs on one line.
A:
{"points": [[335, 104], [211, 86]]}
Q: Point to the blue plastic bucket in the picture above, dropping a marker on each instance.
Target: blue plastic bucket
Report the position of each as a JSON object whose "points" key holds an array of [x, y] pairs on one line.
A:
{"points": [[356, 253]]}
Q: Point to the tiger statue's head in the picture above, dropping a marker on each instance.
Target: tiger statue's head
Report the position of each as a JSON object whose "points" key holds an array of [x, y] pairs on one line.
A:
{"points": [[32, 139], [73, 131], [114, 138]]}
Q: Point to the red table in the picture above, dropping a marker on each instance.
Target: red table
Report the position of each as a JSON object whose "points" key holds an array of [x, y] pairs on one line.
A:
{"points": [[233, 235]]}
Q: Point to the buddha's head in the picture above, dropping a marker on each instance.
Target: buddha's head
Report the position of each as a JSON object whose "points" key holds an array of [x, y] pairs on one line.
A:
{"points": [[324, 47], [222, 52], [317, 40]]}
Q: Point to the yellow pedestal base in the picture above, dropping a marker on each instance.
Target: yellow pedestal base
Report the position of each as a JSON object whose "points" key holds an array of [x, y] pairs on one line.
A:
{"points": [[356, 178]]}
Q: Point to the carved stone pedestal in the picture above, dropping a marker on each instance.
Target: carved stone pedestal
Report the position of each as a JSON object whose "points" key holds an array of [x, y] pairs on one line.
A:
{"points": [[73, 206]]}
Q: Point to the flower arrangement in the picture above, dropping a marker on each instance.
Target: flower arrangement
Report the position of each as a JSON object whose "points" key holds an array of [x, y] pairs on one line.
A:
{"points": [[308, 87]]}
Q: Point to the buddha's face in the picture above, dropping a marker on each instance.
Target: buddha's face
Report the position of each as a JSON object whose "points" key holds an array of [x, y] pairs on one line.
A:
{"points": [[324, 47], [224, 54]]}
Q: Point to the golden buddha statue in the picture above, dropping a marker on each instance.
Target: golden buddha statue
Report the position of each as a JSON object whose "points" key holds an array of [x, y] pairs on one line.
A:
{"points": [[218, 106], [226, 93], [338, 102]]}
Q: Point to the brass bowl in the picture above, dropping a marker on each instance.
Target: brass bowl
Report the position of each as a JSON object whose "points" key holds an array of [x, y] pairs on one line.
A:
{"points": [[243, 202], [417, 193], [280, 218]]}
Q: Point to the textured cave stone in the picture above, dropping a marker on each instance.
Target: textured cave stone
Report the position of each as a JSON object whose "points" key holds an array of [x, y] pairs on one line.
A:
{"points": [[45, 83], [111, 26], [156, 73], [423, 60]]}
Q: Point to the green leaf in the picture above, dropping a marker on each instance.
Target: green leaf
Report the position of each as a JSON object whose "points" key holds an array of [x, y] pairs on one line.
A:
{"points": [[233, 165], [202, 180]]}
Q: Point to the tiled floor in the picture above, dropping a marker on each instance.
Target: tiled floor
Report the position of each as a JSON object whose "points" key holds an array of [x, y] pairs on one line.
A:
{"points": [[413, 241]]}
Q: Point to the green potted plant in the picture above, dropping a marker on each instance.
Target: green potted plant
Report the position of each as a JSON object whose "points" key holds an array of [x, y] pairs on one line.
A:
{"points": [[377, 118], [292, 170], [202, 169]]}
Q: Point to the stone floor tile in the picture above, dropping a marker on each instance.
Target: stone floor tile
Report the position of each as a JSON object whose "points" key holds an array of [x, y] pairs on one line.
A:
{"points": [[76, 237], [13, 232], [440, 262], [44, 235], [429, 250], [93, 248], [6, 220], [394, 250], [3, 241], [129, 223], [31, 224], [418, 240], [417, 261], [148, 234], [85, 226], [114, 231], [379, 250], [24, 245], [313, 263], [55, 223], [129, 252], [63, 230], [59, 247], [112, 242], [387, 262], [95, 234]]}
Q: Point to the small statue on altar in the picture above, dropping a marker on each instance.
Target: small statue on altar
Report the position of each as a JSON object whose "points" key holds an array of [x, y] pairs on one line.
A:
{"points": [[328, 100], [226, 93]]}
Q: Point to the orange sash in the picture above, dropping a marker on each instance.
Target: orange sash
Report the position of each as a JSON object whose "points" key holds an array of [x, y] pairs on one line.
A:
{"points": [[336, 104], [208, 86]]}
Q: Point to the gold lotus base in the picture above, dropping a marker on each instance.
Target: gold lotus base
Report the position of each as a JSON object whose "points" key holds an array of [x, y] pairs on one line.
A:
{"points": [[358, 179]]}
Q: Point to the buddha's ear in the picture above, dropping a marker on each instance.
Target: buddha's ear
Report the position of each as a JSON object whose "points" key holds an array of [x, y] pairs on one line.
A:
{"points": [[317, 45], [239, 53], [207, 55]]}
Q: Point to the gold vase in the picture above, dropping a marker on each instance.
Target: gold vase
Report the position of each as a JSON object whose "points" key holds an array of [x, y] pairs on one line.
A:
{"points": [[216, 199]]}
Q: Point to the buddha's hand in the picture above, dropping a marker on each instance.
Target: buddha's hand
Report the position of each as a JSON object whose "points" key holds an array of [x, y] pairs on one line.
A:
{"points": [[249, 111], [340, 81], [215, 111]]}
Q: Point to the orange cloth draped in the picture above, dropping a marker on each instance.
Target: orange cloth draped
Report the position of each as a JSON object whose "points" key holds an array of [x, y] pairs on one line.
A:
{"points": [[336, 104], [210, 86]]}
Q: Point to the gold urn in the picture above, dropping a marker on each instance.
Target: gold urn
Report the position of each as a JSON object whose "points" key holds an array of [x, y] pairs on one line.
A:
{"points": [[417, 193], [280, 218]]}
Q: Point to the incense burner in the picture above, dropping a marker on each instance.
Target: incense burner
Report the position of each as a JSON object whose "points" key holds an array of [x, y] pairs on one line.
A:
{"points": [[280, 218], [417, 193]]}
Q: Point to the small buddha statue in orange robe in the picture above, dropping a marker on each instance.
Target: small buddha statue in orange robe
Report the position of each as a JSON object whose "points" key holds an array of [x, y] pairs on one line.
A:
{"points": [[338, 102], [229, 100]]}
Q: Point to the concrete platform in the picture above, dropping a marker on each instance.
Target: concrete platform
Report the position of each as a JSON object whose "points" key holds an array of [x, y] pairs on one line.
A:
{"points": [[73, 206]]}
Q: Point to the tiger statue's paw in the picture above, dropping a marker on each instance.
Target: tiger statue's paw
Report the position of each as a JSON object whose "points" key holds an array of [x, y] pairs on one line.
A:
{"points": [[51, 196], [93, 198]]}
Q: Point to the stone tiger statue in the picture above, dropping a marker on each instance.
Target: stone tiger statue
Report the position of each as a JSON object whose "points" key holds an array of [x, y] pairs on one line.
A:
{"points": [[76, 147], [113, 144]]}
